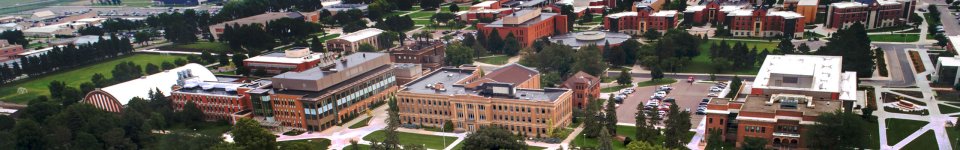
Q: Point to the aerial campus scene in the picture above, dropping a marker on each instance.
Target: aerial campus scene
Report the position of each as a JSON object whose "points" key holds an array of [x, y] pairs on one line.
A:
{"points": [[479, 74]]}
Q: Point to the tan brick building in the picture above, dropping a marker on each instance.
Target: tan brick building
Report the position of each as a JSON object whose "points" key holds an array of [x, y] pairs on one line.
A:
{"points": [[470, 100]]}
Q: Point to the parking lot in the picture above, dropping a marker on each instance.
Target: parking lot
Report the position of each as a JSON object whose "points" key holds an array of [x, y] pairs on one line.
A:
{"points": [[687, 95]]}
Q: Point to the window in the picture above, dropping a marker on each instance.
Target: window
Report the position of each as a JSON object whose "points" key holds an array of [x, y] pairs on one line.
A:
{"points": [[792, 80]]}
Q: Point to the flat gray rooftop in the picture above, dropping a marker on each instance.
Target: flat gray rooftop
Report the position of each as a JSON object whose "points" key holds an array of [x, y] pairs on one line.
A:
{"points": [[316, 73], [542, 17], [450, 76]]}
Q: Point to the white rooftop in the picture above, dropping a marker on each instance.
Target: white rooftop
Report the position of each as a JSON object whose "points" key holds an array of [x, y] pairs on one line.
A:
{"points": [[848, 86], [622, 14], [949, 61], [46, 29], [785, 14], [955, 41], [730, 8], [825, 70], [741, 12], [664, 13], [695, 8], [848, 5], [141, 87], [887, 2], [808, 2], [362, 34], [285, 60], [484, 4]]}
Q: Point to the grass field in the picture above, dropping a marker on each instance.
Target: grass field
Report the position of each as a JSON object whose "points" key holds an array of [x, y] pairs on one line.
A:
{"points": [[627, 131], [328, 37], [212, 47], [926, 140], [14, 6], [947, 109], [137, 3], [614, 88], [703, 64], [874, 133], [898, 129], [361, 147], [362, 123], [656, 82], [460, 147], [495, 60], [894, 37], [422, 14], [315, 144], [73, 78], [421, 22], [430, 141]]}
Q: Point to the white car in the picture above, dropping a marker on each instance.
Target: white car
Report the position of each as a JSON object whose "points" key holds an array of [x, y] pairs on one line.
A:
{"points": [[659, 94], [712, 95], [715, 89]]}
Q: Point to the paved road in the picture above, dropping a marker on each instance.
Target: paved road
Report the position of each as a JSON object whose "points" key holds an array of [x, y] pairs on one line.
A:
{"points": [[901, 72], [949, 20]]}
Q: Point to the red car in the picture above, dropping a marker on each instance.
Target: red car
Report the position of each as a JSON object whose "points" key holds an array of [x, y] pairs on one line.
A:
{"points": [[690, 79]]}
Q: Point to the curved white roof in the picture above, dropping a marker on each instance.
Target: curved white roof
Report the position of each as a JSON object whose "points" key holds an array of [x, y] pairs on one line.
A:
{"points": [[141, 87]]}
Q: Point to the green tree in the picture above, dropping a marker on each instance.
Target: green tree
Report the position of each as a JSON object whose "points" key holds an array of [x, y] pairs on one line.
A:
{"points": [[656, 74], [624, 77], [593, 120], [642, 145], [610, 115], [391, 138], [365, 47], [714, 141], [28, 136], [854, 45], [56, 88], [151, 68], [651, 35], [448, 126], [588, 60], [7, 122], [786, 47], [605, 140], [511, 45], [833, 130], [191, 113], [454, 8], [248, 134], [491, 137], [752, 143], [495, 42], [803, 49], [677, 125], [457, 54], [644, 128]]}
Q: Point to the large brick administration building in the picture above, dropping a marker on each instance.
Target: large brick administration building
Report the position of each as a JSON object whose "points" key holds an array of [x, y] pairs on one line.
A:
{"points": [[527, 25]]}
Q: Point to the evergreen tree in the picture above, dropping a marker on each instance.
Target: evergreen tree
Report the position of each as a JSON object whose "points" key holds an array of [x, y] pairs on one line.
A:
{"points": [[610, 115], [624, 77], [605, 139], [495, 42]]}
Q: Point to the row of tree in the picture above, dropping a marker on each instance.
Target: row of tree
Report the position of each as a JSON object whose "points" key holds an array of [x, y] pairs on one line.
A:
{"points": [[239, 9], [557, 61], [66, 57], [181, 27], [737, 57], [673, 51]]}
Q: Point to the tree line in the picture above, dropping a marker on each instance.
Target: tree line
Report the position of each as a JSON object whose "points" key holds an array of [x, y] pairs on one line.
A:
{"points": [[181, 27], [671, 52], [66, 57]]}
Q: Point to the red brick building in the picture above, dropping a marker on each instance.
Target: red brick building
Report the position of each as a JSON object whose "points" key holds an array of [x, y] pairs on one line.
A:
{"points": [[789, 93], [527, 25], [584, 87], [484, 10], [9, 51], [765, 23], [217, 100], [431, 54], [871, 13], [294, 59], [642, 20]]}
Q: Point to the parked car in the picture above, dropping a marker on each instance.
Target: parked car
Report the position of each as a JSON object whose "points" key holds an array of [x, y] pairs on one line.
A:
{"points": [[690, 79], [660, 94], [711, 94], [715, 89], [705, 100], [669, 100]]}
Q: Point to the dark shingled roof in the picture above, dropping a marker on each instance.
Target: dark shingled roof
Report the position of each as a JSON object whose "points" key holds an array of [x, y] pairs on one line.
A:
{"points": [[512, 73], [580, 77]]}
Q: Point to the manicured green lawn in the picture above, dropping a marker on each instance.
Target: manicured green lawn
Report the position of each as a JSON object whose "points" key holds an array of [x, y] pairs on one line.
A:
{"points": [[430, 141], [947, 109], [24, 6], [137, 3], [894, 37], [422, 14], [396, 13], [874, 133], [897, 129], [614, 88], [703, 64], [37, 86], [460, 147], [421, 22], [328, 37], [495, 60], [926, 140], [362, 123], [362, 147], [627, 131], [315, 144], [656, 82], [212, 47]]}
